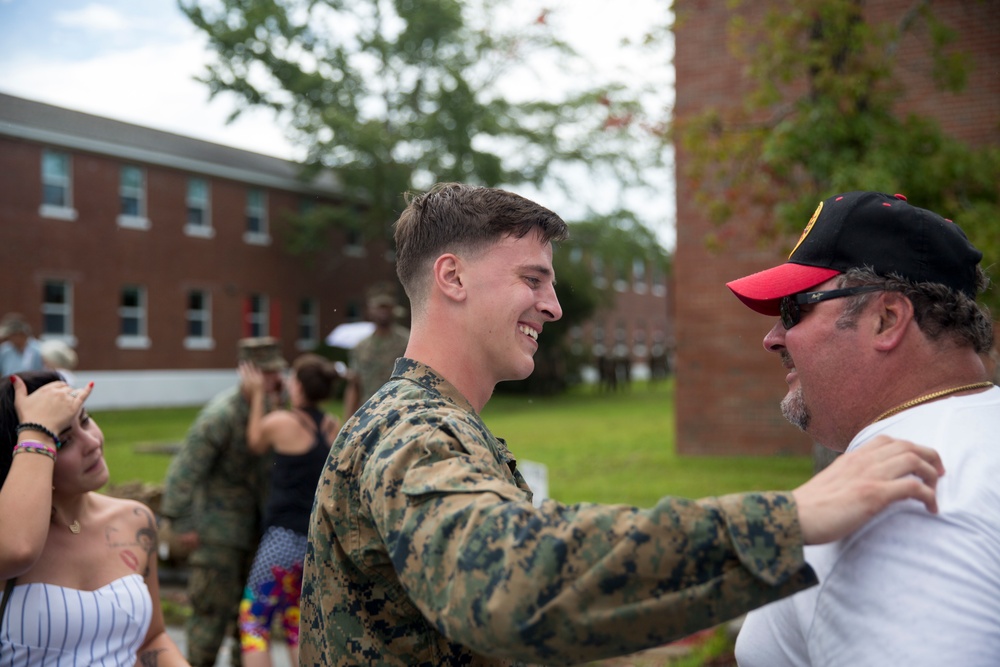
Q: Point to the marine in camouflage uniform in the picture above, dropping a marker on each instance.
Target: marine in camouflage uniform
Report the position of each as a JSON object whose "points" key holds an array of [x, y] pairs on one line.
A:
{"points": [[374, 357], [217, 487], [425, 549]]}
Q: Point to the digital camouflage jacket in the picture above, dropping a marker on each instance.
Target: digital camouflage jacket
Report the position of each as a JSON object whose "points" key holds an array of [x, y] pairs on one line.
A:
{"points": [[215, 484], [425, 549]]}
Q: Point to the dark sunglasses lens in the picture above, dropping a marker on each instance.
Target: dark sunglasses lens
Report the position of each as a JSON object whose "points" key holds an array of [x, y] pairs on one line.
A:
{"points": [[789, 312]]}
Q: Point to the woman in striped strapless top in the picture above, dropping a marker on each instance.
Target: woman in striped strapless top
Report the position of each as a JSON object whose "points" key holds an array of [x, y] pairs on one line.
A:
{"points": [[79, 566]]}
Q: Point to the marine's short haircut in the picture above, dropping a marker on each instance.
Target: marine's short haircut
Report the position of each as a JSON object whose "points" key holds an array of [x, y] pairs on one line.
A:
{"points": [[454, 217]]}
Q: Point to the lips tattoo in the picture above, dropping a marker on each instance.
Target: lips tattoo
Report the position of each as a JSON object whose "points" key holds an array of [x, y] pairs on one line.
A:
{"points": [[130, 560]]}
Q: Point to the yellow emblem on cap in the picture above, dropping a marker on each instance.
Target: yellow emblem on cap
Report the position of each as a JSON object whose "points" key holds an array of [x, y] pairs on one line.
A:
{"points": [[805, 232]]}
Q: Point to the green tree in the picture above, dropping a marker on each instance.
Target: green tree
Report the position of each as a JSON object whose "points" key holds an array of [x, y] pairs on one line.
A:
{"points": [[824, 116], [394, 95]]}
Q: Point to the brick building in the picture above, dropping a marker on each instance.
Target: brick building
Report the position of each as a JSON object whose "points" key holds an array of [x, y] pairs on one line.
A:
{"points": [[152, 253], [728, 388]]}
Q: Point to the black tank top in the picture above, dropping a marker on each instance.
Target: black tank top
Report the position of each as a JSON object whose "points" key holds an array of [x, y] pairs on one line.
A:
{"points": [[294, 478]]}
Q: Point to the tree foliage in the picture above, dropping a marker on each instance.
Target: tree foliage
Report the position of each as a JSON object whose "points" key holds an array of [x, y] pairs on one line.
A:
{"points": [[824, 115], [395, 95]]}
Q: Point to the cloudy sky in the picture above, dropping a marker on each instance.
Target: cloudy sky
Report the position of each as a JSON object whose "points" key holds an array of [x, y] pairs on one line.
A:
{"points": [[135, 60]]}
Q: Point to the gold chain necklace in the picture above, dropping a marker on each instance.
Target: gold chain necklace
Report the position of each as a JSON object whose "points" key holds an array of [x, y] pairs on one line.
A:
{"points": [[931, 397], [73, 527]]}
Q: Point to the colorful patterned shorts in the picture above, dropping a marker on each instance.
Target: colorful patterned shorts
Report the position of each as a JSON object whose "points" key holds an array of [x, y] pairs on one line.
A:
{"points": [[273, 589]]}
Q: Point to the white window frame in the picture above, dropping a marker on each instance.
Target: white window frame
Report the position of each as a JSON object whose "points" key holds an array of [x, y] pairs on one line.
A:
{"points": [[137, 220], [62, 310], [203, 230], [620, 283], [597, 267], [639, 276], [308, 318], [659, 283], [204, 316], [257, 211], [139, 340], [64, 211]]}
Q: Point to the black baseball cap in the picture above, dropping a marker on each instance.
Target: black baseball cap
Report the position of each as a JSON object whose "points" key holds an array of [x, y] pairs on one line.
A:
{"points": [[867, 229]]}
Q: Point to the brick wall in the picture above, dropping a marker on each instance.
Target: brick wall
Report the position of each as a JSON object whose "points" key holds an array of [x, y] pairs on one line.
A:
{"points": [[728, 387], [97, 257]]}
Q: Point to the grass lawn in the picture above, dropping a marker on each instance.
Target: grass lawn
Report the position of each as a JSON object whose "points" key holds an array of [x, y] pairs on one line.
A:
{"points": [[608, 448]]}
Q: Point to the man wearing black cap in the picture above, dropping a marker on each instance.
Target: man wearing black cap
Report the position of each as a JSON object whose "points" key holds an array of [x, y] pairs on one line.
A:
{"points": [[880, 334]]}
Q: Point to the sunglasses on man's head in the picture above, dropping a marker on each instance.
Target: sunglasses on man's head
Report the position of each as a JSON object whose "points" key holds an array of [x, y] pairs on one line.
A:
{"points": [[791, 313]]}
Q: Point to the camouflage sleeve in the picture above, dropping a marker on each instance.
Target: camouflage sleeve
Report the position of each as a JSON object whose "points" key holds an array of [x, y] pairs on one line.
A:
{"points": [[191, 466], [571, 583]]}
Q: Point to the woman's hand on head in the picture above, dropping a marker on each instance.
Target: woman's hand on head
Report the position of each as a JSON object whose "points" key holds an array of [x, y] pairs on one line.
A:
{"points": [[251, 379], [54, 405]]}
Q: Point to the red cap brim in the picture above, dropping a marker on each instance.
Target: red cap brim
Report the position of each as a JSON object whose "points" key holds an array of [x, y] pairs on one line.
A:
{"points": [[763, 290]]}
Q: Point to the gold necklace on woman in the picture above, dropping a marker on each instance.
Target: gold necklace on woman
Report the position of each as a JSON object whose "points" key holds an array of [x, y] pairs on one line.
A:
{"points": [[73, 527], [931, 397]]}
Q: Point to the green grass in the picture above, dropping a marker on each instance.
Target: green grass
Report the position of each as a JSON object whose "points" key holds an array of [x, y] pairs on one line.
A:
{"points": [[608, 448]]}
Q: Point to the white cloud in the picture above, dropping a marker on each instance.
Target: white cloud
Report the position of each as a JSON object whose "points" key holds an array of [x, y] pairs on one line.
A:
{"points": [[99, 18], [152, 86]]}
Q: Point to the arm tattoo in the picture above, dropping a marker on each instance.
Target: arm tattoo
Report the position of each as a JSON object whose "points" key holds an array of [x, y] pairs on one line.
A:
{"points": [[150, 658]]}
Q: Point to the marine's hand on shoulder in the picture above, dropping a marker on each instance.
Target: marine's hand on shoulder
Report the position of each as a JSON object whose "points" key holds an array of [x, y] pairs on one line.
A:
{"points": [[860, 484], [54, 405]]}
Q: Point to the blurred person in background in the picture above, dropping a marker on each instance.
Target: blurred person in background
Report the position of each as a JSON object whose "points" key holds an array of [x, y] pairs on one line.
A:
{"points": [[371, 360], [19, 350], [299, 438], [59, 357], [214, 497]]}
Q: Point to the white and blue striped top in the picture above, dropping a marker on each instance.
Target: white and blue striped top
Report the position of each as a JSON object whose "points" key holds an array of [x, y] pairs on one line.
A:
{"points": [[51, 625]]}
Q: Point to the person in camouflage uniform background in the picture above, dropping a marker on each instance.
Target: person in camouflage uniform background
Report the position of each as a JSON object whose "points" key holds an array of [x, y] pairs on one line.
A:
{"points": [[372, 359], [424, 546], [213, 496]]}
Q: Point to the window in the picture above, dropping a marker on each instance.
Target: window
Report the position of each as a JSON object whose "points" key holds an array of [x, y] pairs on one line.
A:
{"points": [[199, 220], [597, 266], [256, 230], [659, 282], [621, 281], [57, 310], [57, 186], [639, 276], [639, 349], [132, 318], [355, 245], [256, 316], [354, 311], [198, 321], [132, 195], [308, 324]]}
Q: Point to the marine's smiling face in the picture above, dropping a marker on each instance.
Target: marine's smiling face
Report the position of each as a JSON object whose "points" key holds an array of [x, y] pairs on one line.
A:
{"points": [[512, 293]]}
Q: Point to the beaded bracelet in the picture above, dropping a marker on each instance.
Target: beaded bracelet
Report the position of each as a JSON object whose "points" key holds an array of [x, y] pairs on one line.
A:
{"points": [[31, 426], [35, 447]]}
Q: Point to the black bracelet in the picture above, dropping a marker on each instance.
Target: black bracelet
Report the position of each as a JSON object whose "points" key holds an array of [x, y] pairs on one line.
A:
{"points": [[31, 426]]}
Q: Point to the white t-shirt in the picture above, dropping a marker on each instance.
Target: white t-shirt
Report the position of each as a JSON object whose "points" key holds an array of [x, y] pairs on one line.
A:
{"points": [[910, 588]]}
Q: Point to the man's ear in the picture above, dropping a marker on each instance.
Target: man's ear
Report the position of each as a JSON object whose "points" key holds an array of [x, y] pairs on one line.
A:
{"points": [[895, 312], [448, 276]]}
